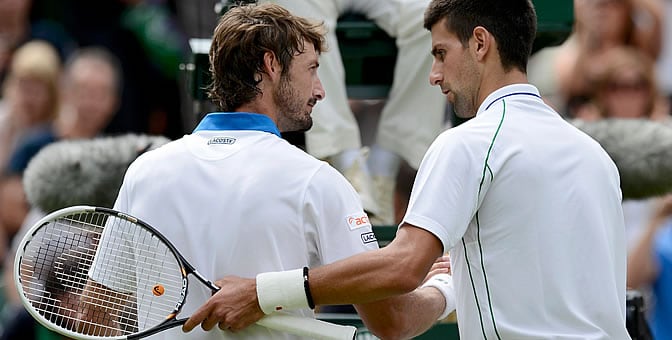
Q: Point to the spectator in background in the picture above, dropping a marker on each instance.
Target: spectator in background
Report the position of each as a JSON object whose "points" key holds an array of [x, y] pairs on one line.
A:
{"points": [[30, 93], [17, 28], [621, 85], [650, 266], [411, 118], [90, 96], [145, 38], [599, 25], [91, 90], [30, 100]]}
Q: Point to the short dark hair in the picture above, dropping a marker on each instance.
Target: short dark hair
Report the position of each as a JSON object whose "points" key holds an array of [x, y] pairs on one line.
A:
{"points": [[513, 23], [242, 37]]}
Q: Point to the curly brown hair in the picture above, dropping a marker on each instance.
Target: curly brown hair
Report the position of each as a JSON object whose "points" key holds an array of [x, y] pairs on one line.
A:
{"points": [[242, 37]]}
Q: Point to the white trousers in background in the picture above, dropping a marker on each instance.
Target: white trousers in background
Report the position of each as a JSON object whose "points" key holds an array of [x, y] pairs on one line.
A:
{"points": [[414, 112]]}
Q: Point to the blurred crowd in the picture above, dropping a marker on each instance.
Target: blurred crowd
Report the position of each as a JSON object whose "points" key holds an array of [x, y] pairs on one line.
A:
{"points": [[79, 70], [76, 69], [617, 64]]}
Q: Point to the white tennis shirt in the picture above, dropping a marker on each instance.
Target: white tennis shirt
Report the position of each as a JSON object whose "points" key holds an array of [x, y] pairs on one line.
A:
{"points": [[236, 199], [530, 209]]}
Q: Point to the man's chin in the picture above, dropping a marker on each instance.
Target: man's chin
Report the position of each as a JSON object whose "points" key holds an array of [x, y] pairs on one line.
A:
{"points": [[464, 115], [306, 124], [299, 127], [305, 127]]}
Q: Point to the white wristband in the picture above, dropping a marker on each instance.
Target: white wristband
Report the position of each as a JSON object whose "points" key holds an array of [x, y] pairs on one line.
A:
{"points": [[281, 290], [444, 283]]}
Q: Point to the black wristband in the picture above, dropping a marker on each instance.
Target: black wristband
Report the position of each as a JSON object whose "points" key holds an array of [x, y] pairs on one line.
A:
{"points": [[306, 288]]}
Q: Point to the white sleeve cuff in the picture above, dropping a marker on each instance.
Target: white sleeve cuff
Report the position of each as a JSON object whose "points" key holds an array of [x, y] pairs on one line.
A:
{"points": [[444, 283], [281, 291]]}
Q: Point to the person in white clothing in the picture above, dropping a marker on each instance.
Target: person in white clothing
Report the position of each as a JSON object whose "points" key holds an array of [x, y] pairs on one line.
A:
{"points": [[236, 198], [528, 206], [413, 114]]}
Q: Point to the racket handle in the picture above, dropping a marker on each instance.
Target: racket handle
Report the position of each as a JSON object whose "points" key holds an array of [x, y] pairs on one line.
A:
{"points": [[307, 327]]}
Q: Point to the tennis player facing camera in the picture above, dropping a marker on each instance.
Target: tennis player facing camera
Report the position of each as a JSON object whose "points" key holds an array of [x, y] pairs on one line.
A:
{"points": [[237, 199], [528, 206]]}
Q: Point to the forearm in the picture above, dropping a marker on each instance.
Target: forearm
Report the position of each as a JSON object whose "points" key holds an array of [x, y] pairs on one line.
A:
{"points": [[405, 316], [641, 262], [396, 269], [363, 278]]}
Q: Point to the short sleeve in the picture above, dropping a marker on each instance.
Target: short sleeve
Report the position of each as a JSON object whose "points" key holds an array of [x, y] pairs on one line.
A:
{"points": [[333, 217], [446, 190]]}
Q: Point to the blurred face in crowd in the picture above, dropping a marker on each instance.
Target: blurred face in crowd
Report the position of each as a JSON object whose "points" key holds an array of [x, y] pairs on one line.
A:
{"points": [[91, 96], [30, 88], [627, 95], [30, 100], [298, 91], [625, 84]]}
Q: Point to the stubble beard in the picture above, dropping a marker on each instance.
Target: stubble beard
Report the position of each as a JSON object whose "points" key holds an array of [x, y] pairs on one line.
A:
{"points": [[293, 114], [462, 107]]}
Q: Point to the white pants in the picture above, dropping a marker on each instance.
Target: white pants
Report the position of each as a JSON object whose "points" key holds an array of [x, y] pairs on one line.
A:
{"points": [[414, 112]]}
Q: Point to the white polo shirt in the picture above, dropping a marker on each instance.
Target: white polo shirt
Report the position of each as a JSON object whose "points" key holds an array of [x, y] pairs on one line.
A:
{"points": [[530, 209], [236, 199]]}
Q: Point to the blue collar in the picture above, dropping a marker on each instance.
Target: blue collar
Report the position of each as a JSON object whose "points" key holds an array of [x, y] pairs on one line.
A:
{"points": [[237, 121]]}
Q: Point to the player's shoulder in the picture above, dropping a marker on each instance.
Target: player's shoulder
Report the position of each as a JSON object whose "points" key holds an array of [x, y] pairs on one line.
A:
{"points": [[161, 154], [293, 156], [468, 135], [297, 162]]}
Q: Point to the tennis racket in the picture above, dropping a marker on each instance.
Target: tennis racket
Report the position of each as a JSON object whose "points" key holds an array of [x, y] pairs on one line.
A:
{"points": [[95, 273]]}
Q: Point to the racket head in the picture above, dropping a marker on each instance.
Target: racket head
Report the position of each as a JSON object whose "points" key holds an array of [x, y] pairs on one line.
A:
{"points": [[54, 261]]}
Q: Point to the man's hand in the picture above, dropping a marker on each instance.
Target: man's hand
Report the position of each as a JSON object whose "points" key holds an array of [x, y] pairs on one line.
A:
{"points": [[234, 307], [440, 266]]}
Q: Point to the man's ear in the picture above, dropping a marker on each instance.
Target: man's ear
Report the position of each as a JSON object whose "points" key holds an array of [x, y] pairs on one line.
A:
{"points": [[482, 41], [271, 66]]}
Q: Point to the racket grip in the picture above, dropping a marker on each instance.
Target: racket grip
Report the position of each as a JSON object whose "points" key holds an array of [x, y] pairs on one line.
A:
{"points": [[308, 327]]}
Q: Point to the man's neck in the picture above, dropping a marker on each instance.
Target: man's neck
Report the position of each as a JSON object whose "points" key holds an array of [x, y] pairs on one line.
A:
{"points": [[498, 79]]}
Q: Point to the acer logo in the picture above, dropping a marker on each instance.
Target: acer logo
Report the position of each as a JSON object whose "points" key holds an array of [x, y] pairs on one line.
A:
{"points": [[358, 221]]}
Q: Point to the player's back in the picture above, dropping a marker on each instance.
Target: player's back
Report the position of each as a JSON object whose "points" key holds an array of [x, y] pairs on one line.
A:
{"points": [[234, 203]]}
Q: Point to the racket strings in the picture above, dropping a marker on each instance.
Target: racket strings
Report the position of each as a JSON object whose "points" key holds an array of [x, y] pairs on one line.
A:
{"points": [[140, 263], [54, 267], [143, 278]]}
